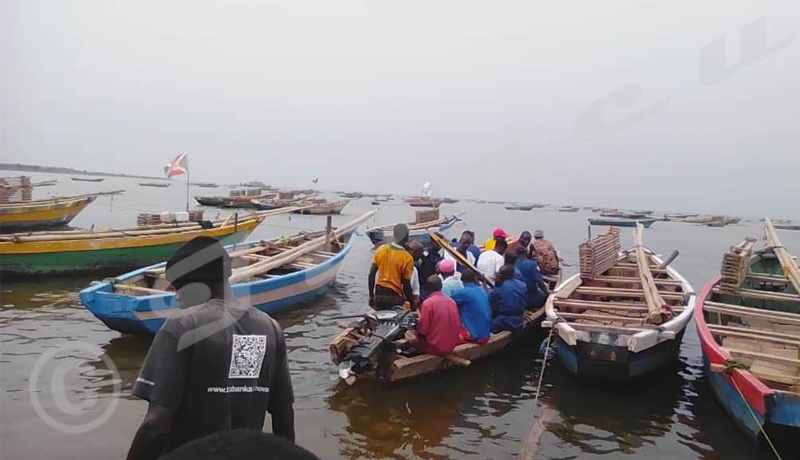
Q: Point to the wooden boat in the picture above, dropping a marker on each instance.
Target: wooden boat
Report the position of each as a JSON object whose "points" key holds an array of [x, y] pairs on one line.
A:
{"points": [[787, 227], [355, 195], [568, 209], [210, 200], [44, 214], [424, 203], [45, 183], [748, 321], [521, 207], [244, 201], [625, 215], [322, 207], [95, 250], [623, 315], [205, 184], [155, 184], [418, 231], [269, 275], [612, 222], [87, 179]]}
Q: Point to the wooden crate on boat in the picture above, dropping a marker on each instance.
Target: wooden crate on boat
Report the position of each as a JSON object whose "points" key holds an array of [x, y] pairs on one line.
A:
{"points": [[735, 265], [599, 254], [427, 216]]}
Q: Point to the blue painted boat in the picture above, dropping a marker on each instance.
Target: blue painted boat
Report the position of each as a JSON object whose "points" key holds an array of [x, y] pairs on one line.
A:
{"points": [[753, 321], [601, 323], [416, 232], [140, 301]]}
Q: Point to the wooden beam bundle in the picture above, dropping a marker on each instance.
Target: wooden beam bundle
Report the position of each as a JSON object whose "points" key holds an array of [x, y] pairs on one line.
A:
{"points": [[736, 264], [599, 254], [787, 262], [654, 300]]}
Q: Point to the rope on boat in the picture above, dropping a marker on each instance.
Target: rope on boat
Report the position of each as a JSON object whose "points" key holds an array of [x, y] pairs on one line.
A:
{"points": [[729, 367], [535, 433]]}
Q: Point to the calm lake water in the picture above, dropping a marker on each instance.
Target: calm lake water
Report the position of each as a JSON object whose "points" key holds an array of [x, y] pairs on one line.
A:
{"points": [[481, 412]]}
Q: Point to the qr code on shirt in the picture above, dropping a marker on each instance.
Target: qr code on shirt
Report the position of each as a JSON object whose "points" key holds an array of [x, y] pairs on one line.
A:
{"points": [[247, 355]]}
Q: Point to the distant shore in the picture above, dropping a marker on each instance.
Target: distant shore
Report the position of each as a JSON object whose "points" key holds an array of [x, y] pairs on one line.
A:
{"points": [[62, 170]]}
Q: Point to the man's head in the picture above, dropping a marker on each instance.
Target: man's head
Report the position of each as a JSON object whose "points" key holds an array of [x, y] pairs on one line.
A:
{"points": [[433, 283], [416, 248], [511, 257], [197, 270], [521, 252], [465, 241], [447, 268], [500, 246], [506, 272], [468, 276], [525, 238], [401, 234], [538, 234], [434, 244], [239, 444]]}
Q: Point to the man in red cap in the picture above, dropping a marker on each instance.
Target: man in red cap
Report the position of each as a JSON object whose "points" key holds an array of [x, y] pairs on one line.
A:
{"points": [[497, 234]]}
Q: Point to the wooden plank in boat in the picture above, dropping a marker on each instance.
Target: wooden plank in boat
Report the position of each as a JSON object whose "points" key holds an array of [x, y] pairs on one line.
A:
{"points": [[757, 337], [754, 294], [629, 280], [613, 329], [594, 317], [783, 314], [754, 313], [632, 306], [771, 357], [621, 292], [752, 330]]}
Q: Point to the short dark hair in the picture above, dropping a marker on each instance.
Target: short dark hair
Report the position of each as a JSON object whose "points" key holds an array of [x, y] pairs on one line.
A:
{"points": [[501, 243], [433, 283], [506, 272], [239, 444], [469, 276], [203, 259]]}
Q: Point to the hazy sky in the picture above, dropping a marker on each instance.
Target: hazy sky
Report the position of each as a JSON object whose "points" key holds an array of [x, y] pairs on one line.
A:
{"points": [[504, 100]]}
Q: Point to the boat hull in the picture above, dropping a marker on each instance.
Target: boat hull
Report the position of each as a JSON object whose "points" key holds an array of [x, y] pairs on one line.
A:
{"points": [[611, 362], [85, 255], [43, 216], [381, 236], [646, 223], [146, 314], [209, 200]]}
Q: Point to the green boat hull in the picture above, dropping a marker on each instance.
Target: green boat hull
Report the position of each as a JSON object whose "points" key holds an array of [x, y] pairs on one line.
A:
{"points": [[62, 263]]}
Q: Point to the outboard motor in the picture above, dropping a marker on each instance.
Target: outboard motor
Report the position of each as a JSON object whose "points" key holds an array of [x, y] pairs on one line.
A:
{"points": [[388, 326]]}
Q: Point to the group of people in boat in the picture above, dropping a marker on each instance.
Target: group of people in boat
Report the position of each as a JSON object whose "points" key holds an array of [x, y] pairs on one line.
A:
{"points": [[462, 302]]}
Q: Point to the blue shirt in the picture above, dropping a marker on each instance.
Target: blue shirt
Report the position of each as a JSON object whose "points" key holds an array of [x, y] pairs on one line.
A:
{"points": [[508, 301], [529, 273], [475, 252], [451, 285], [476, 314]]}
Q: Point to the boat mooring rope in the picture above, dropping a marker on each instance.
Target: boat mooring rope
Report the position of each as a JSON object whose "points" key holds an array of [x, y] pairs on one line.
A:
{"points": [[533, 437], [730, 366]]}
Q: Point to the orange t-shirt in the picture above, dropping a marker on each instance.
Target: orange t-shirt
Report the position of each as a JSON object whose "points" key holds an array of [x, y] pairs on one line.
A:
{"points": [[394, 264]]}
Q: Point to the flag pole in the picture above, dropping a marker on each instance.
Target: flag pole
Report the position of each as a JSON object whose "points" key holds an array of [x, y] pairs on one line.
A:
{"points": [[187, 189]]}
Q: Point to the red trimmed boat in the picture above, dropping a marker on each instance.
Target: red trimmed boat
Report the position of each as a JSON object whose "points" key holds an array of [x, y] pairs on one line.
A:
{"points": [[748, 321]]}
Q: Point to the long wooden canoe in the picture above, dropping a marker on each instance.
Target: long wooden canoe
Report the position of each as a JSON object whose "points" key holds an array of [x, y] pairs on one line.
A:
{"points": [[416, 231], [297, 269], [42, 214], [68, 252], [604, 324], [324, 207], [750, 316], [621, 222]]}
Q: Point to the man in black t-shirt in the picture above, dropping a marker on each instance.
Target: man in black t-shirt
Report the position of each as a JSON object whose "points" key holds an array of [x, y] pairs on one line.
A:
{"points": [[216, 365]]}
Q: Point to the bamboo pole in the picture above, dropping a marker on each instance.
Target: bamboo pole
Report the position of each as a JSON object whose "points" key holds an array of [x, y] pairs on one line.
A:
{"points": [[654, 301], [789, 265], [294, 253]]}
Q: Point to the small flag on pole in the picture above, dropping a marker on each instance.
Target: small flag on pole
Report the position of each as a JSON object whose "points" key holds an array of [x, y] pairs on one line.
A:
{"points": [[178, 166]]}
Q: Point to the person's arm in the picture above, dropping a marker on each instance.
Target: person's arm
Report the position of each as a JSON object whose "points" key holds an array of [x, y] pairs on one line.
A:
{"points": [[281, 398], [152, 436], [409, 293], [371, 284]]}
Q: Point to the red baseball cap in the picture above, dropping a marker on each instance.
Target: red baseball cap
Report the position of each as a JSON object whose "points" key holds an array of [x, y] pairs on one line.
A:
{"points": [[499, 233]]}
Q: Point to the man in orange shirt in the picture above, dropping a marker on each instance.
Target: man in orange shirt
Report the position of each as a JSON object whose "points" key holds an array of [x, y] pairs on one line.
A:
{"points": [[393, 266]]}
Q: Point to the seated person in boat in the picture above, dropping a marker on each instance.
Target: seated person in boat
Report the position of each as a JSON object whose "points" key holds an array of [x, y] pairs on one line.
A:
{"points": [[491, 261], [508, 300], [498, 233], [545, 254], [450, 282], [529, 273], [431, 256], [395, 265], [473, 306], [463, 247], [439, 322], [524, 241]]}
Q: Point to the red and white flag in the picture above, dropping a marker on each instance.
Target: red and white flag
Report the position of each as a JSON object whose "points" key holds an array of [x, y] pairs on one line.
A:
{"points": [[178, 166]]}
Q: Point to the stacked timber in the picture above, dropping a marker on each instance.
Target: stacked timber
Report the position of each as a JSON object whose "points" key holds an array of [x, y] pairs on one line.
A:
{"points": [[15, 189], [735, 265], [788, 263], [247, 192], [658, 311], [149, 218], [599, 254]]}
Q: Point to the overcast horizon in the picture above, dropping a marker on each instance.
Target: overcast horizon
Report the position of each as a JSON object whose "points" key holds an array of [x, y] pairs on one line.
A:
{"points": [[629, 104]]}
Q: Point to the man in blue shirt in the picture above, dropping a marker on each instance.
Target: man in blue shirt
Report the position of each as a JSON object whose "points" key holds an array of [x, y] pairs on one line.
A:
{"points": [[529, 273], [473, 305], [508, 300]]}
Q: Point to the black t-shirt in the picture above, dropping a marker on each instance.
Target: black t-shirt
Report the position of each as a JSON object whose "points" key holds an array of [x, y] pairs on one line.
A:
{"points": [[218, 366]]}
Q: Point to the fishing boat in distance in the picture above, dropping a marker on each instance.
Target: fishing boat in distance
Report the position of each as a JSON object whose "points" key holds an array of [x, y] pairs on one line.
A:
{"points": [[623, 315], [418, 230], [268, 275], [66, 252], [748, 321], [618, 222], [44, 214], [210, 200], [520, 207], [88, 179], [421, 202], [787, 226], [204, 184], [155, 184], [569, 209], [44, 183], [322, 207]]}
